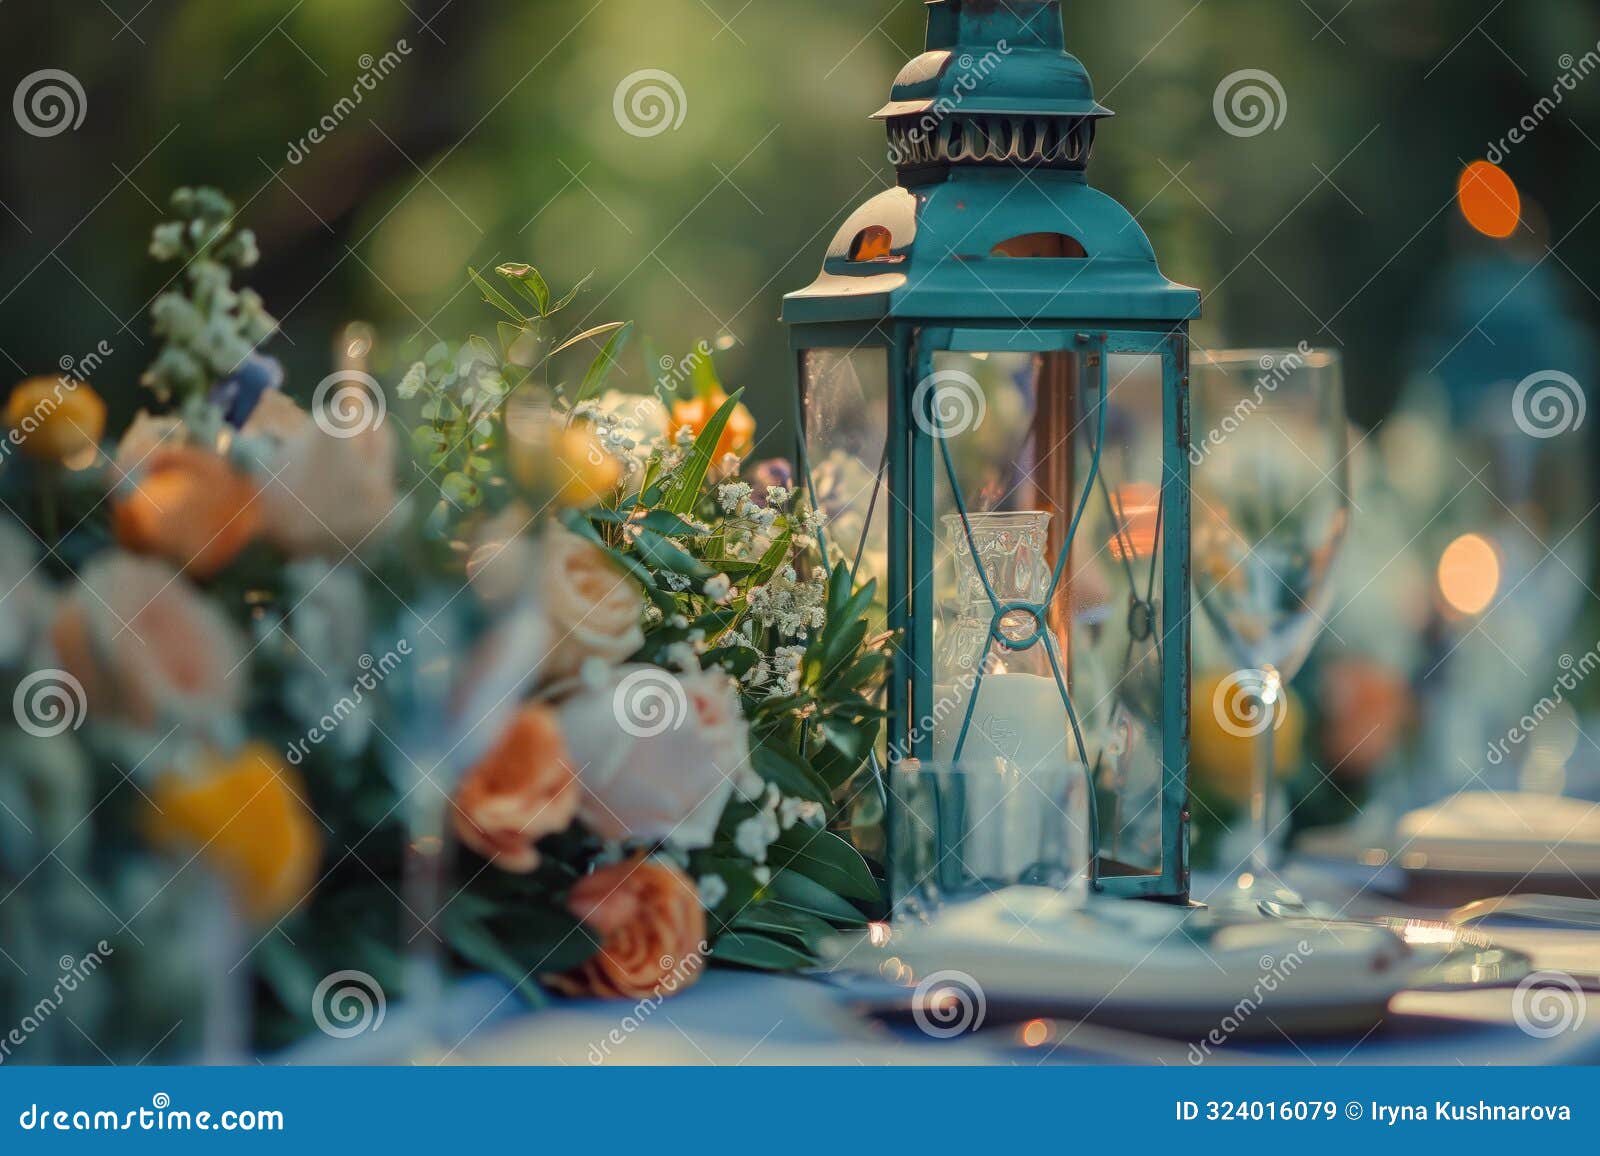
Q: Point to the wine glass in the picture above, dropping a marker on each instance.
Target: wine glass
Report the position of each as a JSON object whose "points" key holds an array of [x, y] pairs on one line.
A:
{"points": [[1271, 507]]}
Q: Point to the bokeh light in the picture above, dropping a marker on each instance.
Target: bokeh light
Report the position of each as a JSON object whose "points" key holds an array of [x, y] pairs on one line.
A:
{"points": [[1469, 574], [1489, 199]]}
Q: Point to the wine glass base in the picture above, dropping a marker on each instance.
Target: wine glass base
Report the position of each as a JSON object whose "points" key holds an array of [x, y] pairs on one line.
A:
{"points": [[1263, 895]]}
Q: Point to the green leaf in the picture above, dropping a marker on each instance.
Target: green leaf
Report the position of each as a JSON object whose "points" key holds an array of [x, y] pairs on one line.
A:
{"points": [[751, 949], [494, 297], [791, 775], [411, 384], [594, 378], [703, 377], [571, 294], [478, 946], [589, 335], [827, 859], [792, 889], [773, 919], [692, 474], [527, 280], [668, 555]]}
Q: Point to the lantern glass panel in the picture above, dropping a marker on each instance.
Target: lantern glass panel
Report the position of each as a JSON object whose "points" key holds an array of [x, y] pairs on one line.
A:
{"points": [[844, 394], [1045, 498]]}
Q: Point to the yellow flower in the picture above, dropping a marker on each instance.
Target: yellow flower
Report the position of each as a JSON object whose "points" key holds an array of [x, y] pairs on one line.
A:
{"points": [[572, 466], [244, 815], [56, 420], [1224, 748]]}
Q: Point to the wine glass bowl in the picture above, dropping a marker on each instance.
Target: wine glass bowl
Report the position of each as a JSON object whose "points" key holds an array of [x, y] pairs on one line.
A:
{"points": [[1271, 509]]}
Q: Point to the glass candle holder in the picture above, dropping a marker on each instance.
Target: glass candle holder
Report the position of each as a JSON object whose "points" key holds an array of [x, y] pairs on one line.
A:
{"points": [[963, 830]]}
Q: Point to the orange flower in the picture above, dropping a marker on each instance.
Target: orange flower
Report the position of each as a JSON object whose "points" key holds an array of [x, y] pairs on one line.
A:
{"points": [[518, 793], [652, 931], [189, 506], [244, 815], [56, 419], [738, 436]]}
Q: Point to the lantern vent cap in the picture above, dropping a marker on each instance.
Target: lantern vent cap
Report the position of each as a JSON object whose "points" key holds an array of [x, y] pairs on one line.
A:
{"points": [[995, 86]]}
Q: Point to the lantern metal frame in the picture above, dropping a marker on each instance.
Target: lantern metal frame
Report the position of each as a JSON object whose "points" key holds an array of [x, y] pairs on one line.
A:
{"points": [[940, 278]]}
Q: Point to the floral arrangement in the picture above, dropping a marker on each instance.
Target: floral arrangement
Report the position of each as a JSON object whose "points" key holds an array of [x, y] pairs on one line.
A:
{"points": [[560, 681]]}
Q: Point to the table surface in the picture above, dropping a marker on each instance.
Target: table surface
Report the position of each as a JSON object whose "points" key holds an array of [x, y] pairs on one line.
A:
{"points": [[734, 1017]]}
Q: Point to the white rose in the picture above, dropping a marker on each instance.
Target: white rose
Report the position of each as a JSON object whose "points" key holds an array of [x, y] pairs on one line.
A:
{"points": [[656, 753], [595, 608]]}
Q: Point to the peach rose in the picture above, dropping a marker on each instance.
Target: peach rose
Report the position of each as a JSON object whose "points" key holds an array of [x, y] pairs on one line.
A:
{"points": [[595, 608], [331, 494], [147, 648], [188, 506], [520, 791], [652, 931], [657, 753]]}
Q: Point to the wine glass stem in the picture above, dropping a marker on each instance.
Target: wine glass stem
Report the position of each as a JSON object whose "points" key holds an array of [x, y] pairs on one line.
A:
{"points": [[1262, 859]]}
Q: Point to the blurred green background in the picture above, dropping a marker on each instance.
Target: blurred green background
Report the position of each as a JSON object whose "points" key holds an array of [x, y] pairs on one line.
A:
{"points": [[494, 139]]}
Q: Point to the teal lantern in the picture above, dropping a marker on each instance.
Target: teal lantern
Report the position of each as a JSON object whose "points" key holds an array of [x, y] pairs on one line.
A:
{"points": [[993, 381]]}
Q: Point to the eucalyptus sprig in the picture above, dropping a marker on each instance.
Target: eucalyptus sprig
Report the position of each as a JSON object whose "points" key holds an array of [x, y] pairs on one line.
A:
{"points": [[469, 394]]}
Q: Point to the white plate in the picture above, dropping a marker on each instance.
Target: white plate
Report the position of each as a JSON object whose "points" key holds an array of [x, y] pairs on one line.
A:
{"points": [[1169, 971]]}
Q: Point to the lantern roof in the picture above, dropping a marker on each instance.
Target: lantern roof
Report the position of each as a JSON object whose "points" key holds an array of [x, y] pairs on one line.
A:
{"points": [[991, 131]]}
